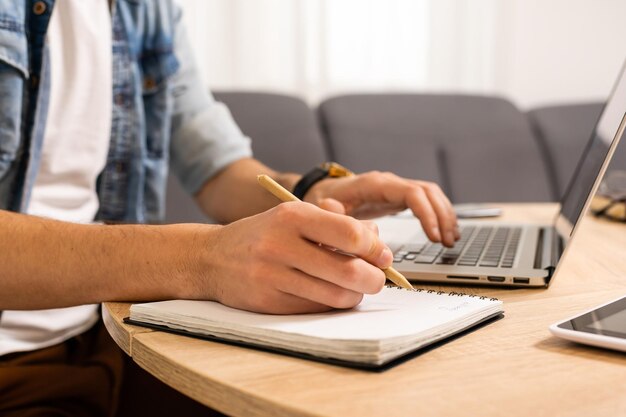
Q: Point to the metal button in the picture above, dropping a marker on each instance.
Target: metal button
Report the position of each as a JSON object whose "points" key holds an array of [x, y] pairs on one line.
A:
{"points": [[149, 83], [39, 8]]}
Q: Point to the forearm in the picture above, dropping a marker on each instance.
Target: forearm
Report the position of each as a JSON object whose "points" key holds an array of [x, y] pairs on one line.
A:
{"points": [[51, 264], [234, 193]]}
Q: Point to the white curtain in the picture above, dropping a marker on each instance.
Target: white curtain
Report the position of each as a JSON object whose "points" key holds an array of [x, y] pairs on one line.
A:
{"points": [[317, 48]]}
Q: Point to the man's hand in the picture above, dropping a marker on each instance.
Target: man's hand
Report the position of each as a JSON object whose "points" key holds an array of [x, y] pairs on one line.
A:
{"points": [[279, 261], [376, 194], [234, 194]]}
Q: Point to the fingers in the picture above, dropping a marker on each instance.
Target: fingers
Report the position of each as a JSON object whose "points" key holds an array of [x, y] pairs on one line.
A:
{"points": [[425, 199], [296, 292], [374, 193], [330, 204], [317, 291], [418, 202], [279, 262], [428, 203], [344, 271], [440, 216], [285, 303], [371, 225], [342, 232]]}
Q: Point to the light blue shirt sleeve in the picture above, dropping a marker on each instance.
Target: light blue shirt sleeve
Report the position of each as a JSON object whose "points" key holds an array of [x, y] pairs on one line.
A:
{"points": [[205, 137]]}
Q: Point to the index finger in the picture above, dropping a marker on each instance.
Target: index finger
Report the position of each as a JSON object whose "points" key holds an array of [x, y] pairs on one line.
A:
{"points": [[347, 234], [441, 211]]}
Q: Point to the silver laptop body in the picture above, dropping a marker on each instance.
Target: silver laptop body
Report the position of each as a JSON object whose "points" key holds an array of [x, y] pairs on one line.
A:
{"points": [[521, 254]]}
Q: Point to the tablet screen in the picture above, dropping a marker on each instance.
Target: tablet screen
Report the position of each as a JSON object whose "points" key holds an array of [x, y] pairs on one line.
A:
{"points": [[609, 320]]}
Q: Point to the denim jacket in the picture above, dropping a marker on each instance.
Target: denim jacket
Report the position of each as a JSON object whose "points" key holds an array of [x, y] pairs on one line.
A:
{"points": [[162, 115]]}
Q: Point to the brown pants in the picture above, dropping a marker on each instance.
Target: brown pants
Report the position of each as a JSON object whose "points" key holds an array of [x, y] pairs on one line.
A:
{"points": [[87, 375], [81, 377]]}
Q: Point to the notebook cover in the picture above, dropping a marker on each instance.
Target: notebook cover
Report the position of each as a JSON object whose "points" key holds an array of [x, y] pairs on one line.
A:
{"points": [[349, 364]]}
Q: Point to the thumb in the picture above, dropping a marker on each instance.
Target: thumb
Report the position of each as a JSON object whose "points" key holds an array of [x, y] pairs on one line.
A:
{"points": [[330, 204]]}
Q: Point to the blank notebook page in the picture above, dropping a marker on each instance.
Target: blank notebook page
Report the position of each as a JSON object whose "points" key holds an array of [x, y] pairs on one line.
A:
{"points": [[382, 326]]}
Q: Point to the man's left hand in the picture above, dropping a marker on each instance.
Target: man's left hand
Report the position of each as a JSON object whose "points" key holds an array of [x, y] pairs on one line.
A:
{"points": [[375, 194]]}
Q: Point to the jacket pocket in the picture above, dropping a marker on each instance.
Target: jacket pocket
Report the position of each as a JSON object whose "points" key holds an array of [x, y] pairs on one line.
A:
{"points": [[13, 75], [157, 69]]}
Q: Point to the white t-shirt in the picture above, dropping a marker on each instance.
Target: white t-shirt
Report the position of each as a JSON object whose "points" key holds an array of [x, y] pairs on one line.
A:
{"points": [[74, 153]]}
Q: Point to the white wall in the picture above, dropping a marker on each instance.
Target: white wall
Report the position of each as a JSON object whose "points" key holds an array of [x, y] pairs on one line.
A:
{"points": [[560, 50], [535, 52]]}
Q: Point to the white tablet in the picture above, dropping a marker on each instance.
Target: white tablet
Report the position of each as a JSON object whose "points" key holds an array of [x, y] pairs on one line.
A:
{"points": [[604, 326]]}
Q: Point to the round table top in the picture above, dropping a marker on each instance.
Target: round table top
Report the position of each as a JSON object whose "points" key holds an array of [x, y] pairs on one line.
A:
{"points": [[513, 366]]}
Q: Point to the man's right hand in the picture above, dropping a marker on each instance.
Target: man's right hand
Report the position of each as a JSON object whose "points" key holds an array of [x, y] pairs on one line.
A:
{"points": [[280, 261]]}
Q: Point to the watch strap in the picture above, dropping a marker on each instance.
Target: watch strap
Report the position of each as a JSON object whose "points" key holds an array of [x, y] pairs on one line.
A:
{"points": [[309, 180]]}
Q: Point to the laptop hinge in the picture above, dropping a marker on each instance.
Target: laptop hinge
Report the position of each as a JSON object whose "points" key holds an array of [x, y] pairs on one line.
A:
{"points": [[549, 248], [543, 253], [550, 270], [558, 247]]}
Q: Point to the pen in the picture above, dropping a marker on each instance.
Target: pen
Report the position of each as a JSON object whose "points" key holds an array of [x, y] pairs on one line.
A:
{"points": [[283, 195]]}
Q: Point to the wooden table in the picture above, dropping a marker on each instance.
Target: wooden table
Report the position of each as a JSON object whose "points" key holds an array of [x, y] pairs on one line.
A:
{"points": [[513, 367]]}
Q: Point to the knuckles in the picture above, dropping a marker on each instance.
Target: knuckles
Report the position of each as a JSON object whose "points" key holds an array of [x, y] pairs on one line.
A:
{"points": [[432, 187], [373, 178], [355, 233], [287, 213], [361, 276], [374, 228], [351, 272], [345, 299]]}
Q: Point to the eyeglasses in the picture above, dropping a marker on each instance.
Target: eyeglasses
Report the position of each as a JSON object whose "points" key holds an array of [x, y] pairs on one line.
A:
{"points": [[610, 200]]}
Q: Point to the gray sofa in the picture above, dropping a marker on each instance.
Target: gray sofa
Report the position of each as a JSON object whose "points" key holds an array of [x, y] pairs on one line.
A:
{"points": [[478, 148]]}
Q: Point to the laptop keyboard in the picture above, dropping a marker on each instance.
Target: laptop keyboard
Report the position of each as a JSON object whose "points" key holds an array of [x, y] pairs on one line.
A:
{"points": [[478, 246]]}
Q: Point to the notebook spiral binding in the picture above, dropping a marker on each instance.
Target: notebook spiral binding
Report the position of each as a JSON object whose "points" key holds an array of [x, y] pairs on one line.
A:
{"points": [[449, 294]]}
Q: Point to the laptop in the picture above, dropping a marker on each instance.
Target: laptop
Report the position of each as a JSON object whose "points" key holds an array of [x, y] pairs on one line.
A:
{"points": [[512, 254]]}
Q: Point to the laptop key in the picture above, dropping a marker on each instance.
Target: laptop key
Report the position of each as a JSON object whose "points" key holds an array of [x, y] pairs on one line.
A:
{"points": [[425, 259], [447, 261], [414, 247]]}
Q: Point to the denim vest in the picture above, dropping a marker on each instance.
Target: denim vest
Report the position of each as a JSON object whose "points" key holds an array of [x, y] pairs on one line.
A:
{"points": [[160, 110]]}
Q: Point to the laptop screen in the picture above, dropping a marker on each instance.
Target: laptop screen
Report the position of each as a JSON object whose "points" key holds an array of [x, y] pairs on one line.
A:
{"points": [[595, 158]]}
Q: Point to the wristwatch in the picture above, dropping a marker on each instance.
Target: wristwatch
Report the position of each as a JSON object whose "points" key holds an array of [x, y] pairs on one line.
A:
{"points": [[327, 169]]}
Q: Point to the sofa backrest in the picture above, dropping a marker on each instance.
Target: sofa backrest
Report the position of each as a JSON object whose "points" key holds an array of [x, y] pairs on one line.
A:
{"points": [[284, 130], [285, 136], [477, 148]]}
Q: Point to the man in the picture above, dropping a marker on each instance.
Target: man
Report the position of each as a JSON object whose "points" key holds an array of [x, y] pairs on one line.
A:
{"points": [[97, 98]]}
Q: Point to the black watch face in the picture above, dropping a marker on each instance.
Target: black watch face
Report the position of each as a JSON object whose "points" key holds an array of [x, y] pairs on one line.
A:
{"points": [[609, 320]]}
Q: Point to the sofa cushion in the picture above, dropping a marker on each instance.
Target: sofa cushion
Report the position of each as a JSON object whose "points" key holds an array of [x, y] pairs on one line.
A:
{"points": [[477, 148]]}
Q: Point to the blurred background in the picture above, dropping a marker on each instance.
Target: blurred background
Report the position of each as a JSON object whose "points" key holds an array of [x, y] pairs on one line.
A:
{"points": [[533, 52], [494, 100]]}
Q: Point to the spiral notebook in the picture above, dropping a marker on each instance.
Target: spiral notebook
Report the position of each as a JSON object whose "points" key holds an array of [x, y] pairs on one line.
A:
{"points": [[383, 330]]}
